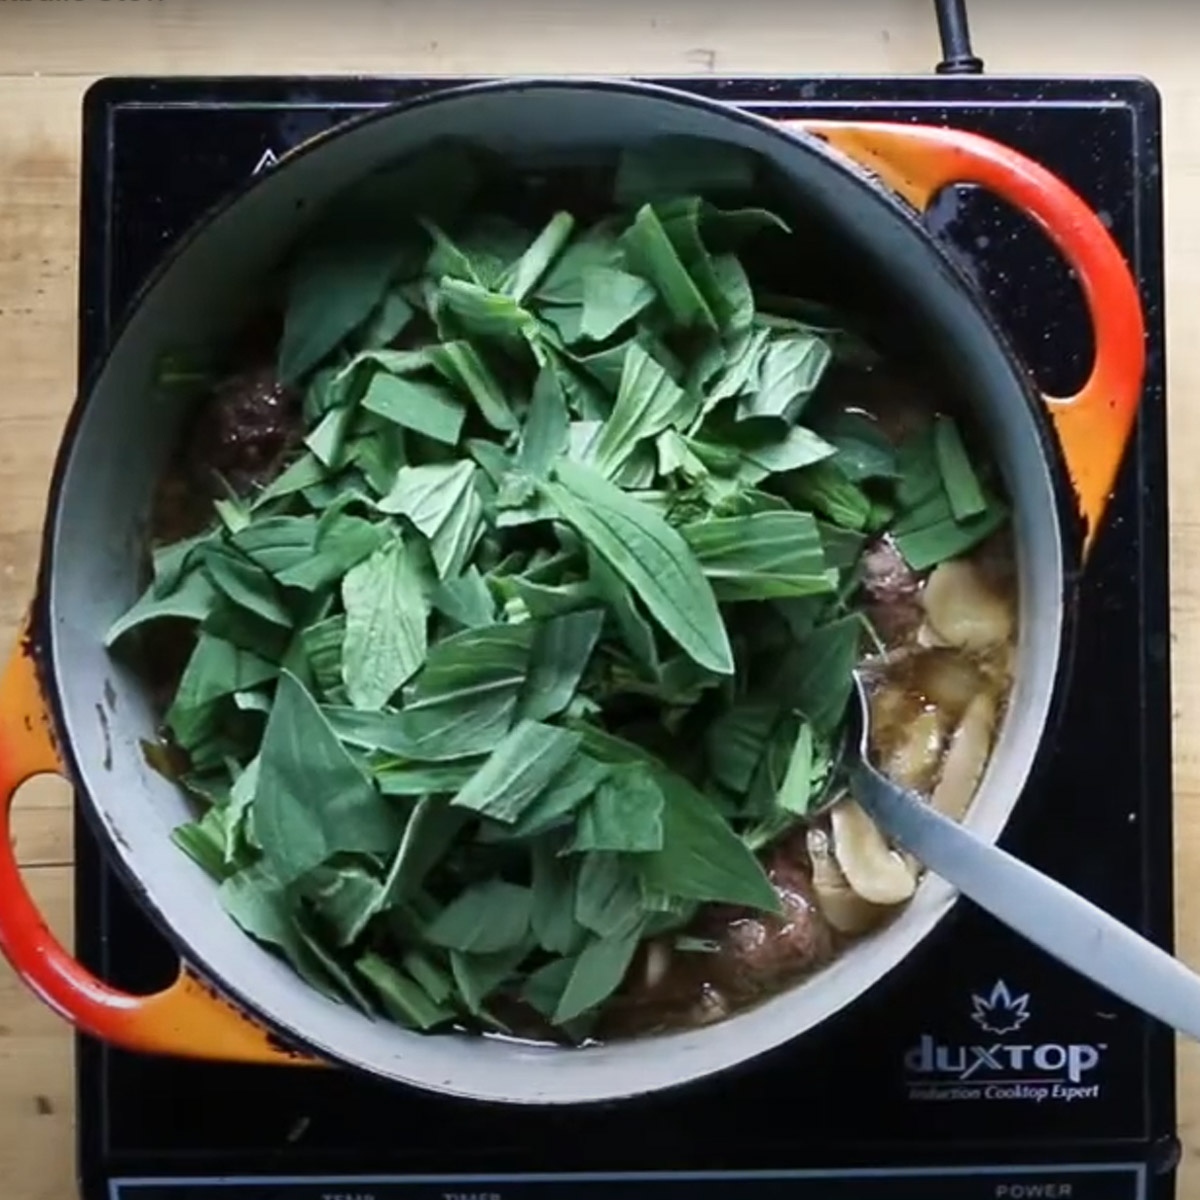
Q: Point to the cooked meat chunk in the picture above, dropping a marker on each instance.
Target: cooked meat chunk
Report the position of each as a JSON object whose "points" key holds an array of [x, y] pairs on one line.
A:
{"points": [[893, 592], [244, 430], [751, 955], [757, 950]]}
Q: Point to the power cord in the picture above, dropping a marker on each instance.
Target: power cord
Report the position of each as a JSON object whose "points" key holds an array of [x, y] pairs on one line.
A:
{"points": [[957, 56]]}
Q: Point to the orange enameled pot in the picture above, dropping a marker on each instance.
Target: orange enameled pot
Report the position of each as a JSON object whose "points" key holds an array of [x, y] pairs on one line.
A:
{"points": [[67, 707]]}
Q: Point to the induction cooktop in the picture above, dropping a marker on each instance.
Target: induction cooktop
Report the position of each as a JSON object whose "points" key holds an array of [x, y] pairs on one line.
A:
{"points": [[980, 1067]]}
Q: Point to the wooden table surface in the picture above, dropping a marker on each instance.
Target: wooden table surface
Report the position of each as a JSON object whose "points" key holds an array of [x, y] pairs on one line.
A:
{"points": [[50, 52]]}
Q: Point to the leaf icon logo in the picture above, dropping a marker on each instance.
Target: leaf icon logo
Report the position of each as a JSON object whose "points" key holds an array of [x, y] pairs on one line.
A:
{"points": [[1000, 1011]]}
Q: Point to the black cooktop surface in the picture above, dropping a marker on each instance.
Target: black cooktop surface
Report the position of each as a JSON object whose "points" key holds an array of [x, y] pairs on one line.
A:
{"points": [[980, 1067]]}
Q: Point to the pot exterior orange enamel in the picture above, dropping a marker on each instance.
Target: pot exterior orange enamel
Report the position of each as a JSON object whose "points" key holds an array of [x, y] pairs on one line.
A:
{"points": [[1093, 426], [188, 1018]]}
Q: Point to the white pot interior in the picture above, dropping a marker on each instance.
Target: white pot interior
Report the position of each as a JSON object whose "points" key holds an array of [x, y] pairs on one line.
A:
{"points": [[120, 444]]}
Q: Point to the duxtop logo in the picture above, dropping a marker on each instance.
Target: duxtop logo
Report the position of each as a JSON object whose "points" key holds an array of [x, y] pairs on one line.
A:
{"points": [[1007, 1068], [1000, 1011]]}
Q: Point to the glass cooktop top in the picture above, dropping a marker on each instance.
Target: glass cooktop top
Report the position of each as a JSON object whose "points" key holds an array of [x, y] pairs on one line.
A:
{"points": [[978, 1068]]}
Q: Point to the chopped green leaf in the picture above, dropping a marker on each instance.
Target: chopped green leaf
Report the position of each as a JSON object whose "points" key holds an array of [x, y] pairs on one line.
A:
{"points": [[763, 555], [518, 770], [483, 313], [831, 493], [624, 814], [334, 289], [191, 600], [816, 677], [312, 800], [461, 364], [552, 916], [650, 254], [958, 476], [701, 857], [485, 919], [246, 586], [386, 618], [442, 501], [611, 298], [404, 999], [796, 791], [529, 269], [648, 401], [596, 974], [562, 648], [650, 556], [790, 370], [544, 436], [426, 408]]}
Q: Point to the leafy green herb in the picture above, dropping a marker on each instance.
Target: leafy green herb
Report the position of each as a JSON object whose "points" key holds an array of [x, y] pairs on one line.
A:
{"points": [[958, 476], [789, 372], [816, 677], [426, 408], [796, 790], [596, 974], [312, 799], [485, 919], [650, 254], [535, 262], [335, 287], [386, 616], [562, 647], [405, 1000], [701, 858], [611, 298], [191, 600], [761, 556], [650, 556], [462, 365], [419, 779], [463, 703], [246, 586], [442, 501], [927, 529], [518, 770], [544, 437], [647, 402], [625, 814], [483, 313]]}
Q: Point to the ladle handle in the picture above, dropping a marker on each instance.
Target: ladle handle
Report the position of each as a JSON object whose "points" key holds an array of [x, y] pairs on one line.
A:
{"points": [[917, 162], [1060, 921], [187, 1018]]}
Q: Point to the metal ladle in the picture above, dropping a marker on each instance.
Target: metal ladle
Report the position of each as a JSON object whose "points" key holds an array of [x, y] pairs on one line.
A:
{"points": [[1042, 910]]}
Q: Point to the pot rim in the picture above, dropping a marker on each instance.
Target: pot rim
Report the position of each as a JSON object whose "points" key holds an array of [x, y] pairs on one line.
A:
{"points": [[1066, 516]]}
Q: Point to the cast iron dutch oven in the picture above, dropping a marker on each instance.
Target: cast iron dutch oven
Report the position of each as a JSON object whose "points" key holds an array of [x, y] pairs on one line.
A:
{"points": [[67, 707]]}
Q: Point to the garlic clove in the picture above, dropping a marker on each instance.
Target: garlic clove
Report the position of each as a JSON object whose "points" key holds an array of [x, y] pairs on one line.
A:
{"points": [[914, 759], [839, 903], [963, 609], [872, 868], [963, 766]]}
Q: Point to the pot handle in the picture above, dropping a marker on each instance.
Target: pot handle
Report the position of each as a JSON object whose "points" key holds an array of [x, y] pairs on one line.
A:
{"points": [[188, 1018], [1094, 425]]}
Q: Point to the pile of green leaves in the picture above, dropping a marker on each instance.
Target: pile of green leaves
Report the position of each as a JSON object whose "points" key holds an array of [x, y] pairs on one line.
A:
{"points": [[548, 629]]}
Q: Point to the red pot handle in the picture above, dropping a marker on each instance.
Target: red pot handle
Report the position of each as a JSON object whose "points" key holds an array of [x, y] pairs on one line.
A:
{"points": [[1093, 426], [187, 1018]]}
